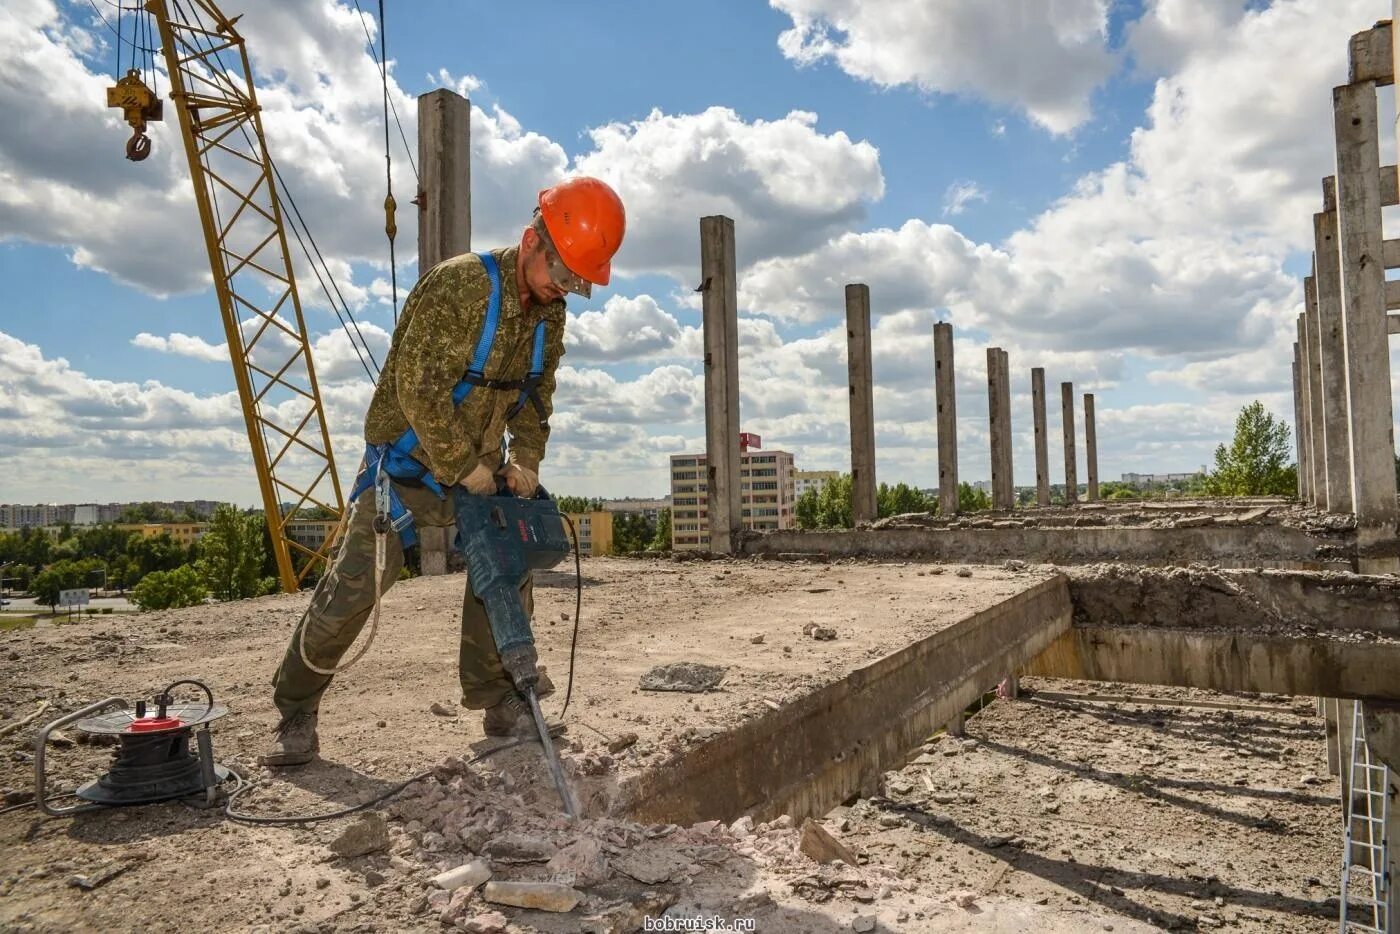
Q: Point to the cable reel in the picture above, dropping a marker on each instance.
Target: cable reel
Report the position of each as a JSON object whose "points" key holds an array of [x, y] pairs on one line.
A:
{"points": [[152, 760]]}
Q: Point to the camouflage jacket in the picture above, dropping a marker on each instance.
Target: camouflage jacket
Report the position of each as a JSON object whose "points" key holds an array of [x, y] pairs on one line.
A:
{"points": [[434, 341]]}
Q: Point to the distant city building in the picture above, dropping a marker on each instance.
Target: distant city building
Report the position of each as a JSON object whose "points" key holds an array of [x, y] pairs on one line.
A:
{"points": [[650, 508], [310, 533], [184, 533], [1150, 479], [804, 480], [595, 531], [984, 485], [767, 494], [15, 516], [19, 516]]}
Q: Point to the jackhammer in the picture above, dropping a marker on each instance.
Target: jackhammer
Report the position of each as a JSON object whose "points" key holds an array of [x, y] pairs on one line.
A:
{"points": [[504, 537]]}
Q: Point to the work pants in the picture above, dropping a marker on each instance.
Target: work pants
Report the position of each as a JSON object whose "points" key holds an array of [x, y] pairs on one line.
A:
{"points": [[344, 600]]}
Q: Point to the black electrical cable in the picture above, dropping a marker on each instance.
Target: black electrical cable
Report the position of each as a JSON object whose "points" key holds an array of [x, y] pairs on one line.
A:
{"points": [[578, 609], [208, 695], [246, 818]]}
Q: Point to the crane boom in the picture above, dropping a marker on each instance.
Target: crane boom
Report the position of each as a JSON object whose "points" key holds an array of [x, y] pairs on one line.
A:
{"points": [[239, 209]]}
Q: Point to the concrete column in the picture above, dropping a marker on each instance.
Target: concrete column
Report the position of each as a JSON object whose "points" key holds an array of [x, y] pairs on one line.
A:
{"points": [[999, 413], [1091, 449], [1320, 443], [947, 405], [1336, 429], [444, 161], [721, 336], [863, 508], [1298, 422], [1042, 443], [1306, 428], [1071, 467], [1329, 717], [1364, 324], [444, 229]]}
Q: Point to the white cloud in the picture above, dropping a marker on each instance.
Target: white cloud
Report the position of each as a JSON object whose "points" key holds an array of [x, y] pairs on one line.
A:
{"points": [[786, 185], [183, 345], [959, 195], [1044, 57]]}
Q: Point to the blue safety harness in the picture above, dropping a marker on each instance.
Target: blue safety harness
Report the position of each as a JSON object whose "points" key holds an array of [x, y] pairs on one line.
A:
{"points": [[395, 461]]}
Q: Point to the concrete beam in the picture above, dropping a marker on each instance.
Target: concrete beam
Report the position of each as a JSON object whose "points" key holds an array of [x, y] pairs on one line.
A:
{"points": [[444, 229], [1091, 449], [1332, 352], [861, 385], [1071, 466], [836, 742], [1371, 56], [1320, 442], [720, 316], [1243, 546], [999, 414], [444, 160], [1390, 188], [1224, 661], [1298, 422], [1309, 428], [1364, 322], [946, 402], [1042, 441]]}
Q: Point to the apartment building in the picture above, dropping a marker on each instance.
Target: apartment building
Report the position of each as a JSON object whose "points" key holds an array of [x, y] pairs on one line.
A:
{"points": [[767, 494], [595, 531], [804, 480]]}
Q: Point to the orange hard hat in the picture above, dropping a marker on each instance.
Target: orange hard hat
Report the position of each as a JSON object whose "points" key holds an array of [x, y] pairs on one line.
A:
{"points": [[586, 222]]}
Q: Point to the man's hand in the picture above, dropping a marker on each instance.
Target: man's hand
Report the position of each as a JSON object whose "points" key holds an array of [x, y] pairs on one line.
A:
{"points": [[521, 480], [480, 481]]}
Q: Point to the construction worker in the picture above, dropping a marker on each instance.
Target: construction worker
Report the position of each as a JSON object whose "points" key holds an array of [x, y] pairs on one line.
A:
{"points": [[473, 357]]}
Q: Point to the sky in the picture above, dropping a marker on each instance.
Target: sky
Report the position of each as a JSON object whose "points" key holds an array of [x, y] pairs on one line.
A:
{"points": [[1119, 191]]}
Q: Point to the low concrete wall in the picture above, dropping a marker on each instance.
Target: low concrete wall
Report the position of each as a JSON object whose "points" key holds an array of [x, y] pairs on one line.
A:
{"points": [[837, 741], [1320, 666], [1242, 546], [1211, 598]]}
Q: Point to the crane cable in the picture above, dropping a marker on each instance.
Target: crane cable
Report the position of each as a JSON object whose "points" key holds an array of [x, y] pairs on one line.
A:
{"points": [[390, 227]]}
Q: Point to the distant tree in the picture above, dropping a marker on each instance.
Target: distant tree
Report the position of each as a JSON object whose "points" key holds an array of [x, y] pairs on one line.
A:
{"points": [[632, 532], [1115, 489], [972, 499], [164, 590], [901, 499], [1256, 461], [63, 575], [231, 555], [138, 513], [577, 504], [35, 547], [155, 553], [661, 538]]}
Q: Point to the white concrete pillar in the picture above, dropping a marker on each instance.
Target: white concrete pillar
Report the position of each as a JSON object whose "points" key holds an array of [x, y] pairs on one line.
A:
{"points": [[945, 392], [720, 321]]}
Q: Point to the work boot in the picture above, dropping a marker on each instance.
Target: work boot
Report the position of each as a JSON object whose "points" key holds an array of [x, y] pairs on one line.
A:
{"points": [[296, 742], [511, 716]]}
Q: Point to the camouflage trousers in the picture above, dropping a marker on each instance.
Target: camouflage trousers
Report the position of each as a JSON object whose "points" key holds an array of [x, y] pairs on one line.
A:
{"points": [[344, 600]]}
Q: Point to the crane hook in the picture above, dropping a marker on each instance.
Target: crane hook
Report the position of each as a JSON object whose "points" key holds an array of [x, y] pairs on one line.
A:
{"points": [[138, 104]]}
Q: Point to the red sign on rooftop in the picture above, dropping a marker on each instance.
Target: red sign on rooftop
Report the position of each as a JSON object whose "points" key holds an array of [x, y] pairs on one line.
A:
{"points": [[749, 440]]}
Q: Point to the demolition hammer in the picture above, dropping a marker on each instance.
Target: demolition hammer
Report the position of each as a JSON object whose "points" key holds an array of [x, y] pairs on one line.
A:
{"points": [[503, 537]]}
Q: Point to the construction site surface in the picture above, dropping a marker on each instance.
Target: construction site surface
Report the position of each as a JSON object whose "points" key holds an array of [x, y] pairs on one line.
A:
{"points": [[1066, 806]]}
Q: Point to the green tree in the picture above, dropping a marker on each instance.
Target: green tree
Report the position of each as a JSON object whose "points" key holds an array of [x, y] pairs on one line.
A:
{"points": [[827, 507], [971, 499], [231, 554], [145, 512], [64, 575], [1115, 489], [632, 532], [577, 504], [163, 590], [1256, 461], [901, 499], [661, 538], [155, 553]]}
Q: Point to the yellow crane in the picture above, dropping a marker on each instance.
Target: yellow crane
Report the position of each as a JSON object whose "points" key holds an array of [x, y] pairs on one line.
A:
{"points": [[236, 186]]}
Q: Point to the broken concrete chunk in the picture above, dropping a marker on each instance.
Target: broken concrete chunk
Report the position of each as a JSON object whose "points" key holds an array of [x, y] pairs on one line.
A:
{"points": [[757, 640], [468, 874], [823, 633], [628, 917], [689, 677], [964, 572], [652, 863], [580, 863], [369, 834], [821, 846], [863, 923], [623, 741], [442, 710], [542, 896], [519, 848], [488, 922]]}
